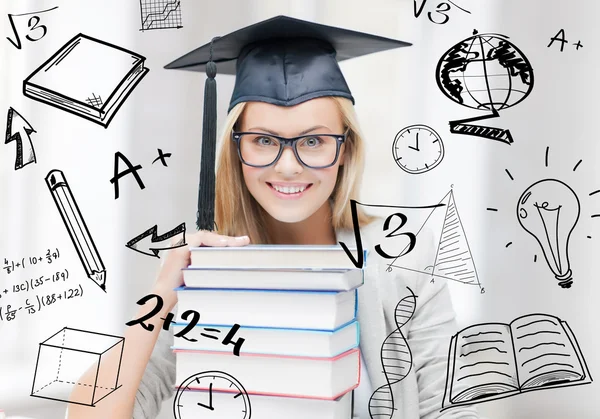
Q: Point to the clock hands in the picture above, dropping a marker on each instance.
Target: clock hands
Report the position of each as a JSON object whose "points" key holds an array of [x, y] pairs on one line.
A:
{"points": [[416, 149], [210, 406]]}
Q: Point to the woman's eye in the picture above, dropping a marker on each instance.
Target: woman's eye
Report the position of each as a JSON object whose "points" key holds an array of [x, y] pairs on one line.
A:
{"points": [[265, 141], [312, 141]]}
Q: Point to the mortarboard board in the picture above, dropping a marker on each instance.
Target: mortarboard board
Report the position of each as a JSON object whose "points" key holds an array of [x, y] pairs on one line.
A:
{"points": [[283, 61]]}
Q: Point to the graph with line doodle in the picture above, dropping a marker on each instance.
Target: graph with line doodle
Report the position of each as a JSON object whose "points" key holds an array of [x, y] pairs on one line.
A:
{"points": [[160, 14]]}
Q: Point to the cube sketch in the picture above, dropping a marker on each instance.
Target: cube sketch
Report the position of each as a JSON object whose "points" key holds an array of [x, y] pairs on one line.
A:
{"points": [[73, 357]]}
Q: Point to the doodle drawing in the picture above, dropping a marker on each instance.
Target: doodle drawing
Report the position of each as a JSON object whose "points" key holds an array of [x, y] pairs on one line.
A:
{"points": [[111, 73], [74, 359], [76, 227], [485, 72], [451, 258], [160, 14], [417, 149], [156, 242], [19, 131], [396, 360], [491, 361], [214, 391]]}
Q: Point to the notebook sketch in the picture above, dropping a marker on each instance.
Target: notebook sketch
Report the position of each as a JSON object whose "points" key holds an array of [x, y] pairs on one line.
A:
{"points": [[87, 77], [491, 361]]}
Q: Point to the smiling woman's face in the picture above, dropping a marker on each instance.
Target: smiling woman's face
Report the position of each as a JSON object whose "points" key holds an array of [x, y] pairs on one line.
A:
{"points": [[273, 186]]}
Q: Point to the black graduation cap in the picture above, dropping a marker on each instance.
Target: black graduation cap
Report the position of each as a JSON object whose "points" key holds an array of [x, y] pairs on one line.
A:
{"points": [[283, 61]]}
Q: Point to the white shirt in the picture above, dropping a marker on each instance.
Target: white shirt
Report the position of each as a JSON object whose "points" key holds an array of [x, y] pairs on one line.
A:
{"points": [[362, 393]]}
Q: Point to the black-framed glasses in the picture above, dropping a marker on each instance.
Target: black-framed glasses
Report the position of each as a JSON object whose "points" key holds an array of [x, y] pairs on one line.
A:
{"points": [[316, 151]]}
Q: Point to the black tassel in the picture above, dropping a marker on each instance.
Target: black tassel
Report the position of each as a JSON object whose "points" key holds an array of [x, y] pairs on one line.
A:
{"points": [[205, 218]]}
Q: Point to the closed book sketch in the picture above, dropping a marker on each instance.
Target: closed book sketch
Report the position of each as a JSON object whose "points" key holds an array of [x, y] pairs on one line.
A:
{"points": [[291, 376], [277, 407], [274, 278], [273, 256], [496, 360], [323, 310], [273, 340], [87, 77]]}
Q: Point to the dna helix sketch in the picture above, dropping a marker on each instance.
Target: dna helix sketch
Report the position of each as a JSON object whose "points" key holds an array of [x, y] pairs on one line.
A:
{"points": [[396, 360]]}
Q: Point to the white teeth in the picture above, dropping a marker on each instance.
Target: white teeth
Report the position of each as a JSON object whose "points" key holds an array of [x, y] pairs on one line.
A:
{"points": [[289, 189]]}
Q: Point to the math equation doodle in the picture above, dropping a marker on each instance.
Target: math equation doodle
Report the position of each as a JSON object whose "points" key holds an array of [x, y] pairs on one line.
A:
{"points": [[160, 14], [485, 72], [439, 16], [490, 361], [73, 359], [35, 30]]}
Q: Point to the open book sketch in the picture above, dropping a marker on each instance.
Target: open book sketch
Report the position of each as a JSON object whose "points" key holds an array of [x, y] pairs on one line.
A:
{"points": [[111, 73], [19, 131], [160, 14], [491, 361], [484, 72], [396, 360], [417, 149], [452, 258]]}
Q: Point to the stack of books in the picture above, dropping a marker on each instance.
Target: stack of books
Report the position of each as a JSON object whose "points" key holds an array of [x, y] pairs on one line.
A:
{"points": [[277, 334]]}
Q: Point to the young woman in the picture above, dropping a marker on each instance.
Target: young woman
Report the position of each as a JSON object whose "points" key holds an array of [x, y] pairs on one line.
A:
{"points": [[276, 191]]}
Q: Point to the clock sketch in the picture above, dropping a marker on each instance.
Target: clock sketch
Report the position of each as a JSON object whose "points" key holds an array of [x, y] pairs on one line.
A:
{"points": [[417, 149], [211, 394]]}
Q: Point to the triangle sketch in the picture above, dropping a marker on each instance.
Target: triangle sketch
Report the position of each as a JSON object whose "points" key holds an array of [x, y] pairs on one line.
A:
{"points": [[451, 258]]}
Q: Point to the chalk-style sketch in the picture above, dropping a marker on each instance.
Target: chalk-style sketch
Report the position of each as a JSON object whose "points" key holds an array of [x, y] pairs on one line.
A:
{"points": [[88, 362], [76, 227], [36, 31], [484, 72], [19, 131], [441, 9], [160, 14], [396, 360], [112, 74], [417, 149], [549, 210], [560, 37], [214, 391], [157, 243], [452, 259], [490, 361]]}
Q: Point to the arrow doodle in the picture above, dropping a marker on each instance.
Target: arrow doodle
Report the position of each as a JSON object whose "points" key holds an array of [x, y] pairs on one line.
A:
{"points": [[19, 130], [153, 247], [396, 360]]}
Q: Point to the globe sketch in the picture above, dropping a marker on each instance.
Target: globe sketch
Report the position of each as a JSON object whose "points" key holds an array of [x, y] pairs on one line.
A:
{"points": [[485, 72]]}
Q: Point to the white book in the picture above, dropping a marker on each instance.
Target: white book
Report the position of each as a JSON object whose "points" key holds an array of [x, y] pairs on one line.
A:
{"points": [[323, 310], [273, 278], [271, 340], [289, 376], [273, 256]]}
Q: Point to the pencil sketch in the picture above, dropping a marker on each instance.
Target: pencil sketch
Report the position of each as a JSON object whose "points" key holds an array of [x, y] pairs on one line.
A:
{"points": [[226, 397], [490, 361], [396, 360], [19, 131], [417, 149], [113, 72], [160, 14], [157, 243], [32, 24], [76, 227], [73, 357], [484, 72], [453, 259]]}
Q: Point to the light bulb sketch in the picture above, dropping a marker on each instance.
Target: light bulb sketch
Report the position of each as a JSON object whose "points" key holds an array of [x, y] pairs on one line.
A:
{"points": [[549, 210]]}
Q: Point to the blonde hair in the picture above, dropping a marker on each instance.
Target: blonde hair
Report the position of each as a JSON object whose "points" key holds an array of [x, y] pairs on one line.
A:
{"points": [[237, 213]]}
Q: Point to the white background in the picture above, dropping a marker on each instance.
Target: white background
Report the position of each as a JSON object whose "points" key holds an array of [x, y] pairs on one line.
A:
{"points": [[392, 90]]}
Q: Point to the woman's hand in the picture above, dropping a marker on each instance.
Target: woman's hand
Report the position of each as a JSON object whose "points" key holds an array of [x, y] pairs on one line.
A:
{"points": [[170, 275]]}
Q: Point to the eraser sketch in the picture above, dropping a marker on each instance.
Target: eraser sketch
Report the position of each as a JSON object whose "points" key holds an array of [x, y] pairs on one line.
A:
{"points": [[396, 360], [160, 14], [453, 259], [490, 361], [157, 243], [549, 210], [214, 391], [72, 355], [76, 227], [36, 31], [113, 72], [484, 72], [19, 131], [560, 37], [417, 149]]}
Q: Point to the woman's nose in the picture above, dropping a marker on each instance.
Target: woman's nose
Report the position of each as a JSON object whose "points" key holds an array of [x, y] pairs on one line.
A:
{"points": [[288, 164]]}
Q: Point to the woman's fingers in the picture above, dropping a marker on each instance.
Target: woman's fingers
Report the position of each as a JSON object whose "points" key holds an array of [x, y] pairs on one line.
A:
{"points": [[209, 238]]}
